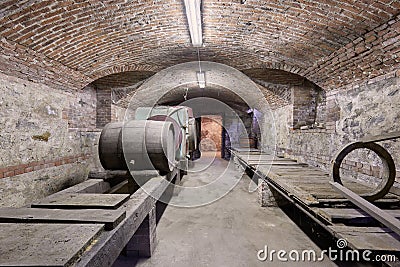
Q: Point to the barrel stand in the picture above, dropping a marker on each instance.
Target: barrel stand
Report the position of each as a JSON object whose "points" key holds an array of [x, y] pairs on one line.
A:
{"points": [[144, 241]]}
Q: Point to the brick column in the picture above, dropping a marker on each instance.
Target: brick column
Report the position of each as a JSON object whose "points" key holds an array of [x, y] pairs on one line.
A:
{"points": [[103, 107], [144, 240], [304, 106]]}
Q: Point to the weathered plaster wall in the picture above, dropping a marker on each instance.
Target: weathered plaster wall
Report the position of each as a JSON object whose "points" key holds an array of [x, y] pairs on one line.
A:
{"points": [[47, 139], [370, 108]]}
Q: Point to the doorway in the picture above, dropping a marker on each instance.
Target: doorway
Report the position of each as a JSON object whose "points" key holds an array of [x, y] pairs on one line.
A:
{"points": [[211, 135]]}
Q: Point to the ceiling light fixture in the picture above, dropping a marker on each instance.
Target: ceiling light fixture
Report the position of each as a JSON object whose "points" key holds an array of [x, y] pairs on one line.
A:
{"points": [[201, 75], [201, 79], [193, 14]]}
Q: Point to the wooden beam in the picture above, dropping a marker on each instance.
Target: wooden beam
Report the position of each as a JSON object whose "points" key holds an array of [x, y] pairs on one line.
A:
{"points": [[350, 215], [111, 218], [88, 186], [82, 201], [380, 215], [368, 238], [382, 137], [105, 175]]}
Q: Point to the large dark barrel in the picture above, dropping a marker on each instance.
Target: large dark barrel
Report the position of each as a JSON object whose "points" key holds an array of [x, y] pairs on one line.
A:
{"points": [[144, 145]]}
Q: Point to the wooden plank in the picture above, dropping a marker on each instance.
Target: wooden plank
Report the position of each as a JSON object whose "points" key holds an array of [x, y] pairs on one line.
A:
{"points": [[345, 215], [294, 191], [381, 202], [291, 167], [255, 165], [88, 186], [82, 201], [371, 238], [105, 175], [263, 158], [111, 218], [395, 190], [303, 174], [239, 149], [45, 244], [382, 137], [380, 215], [270, 161], [308, 184]]}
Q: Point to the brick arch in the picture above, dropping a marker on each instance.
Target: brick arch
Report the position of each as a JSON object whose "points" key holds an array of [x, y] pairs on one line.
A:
{"points": [[282, 88], [111, 73], [91, 39], [112, 87]]}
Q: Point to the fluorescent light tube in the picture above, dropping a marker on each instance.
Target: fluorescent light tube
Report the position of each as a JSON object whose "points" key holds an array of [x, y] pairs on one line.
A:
{"points": [[193, 14], [201, 79]]}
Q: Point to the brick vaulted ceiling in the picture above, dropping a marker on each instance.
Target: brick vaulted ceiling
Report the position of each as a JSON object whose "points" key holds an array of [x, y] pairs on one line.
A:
{"points": [[94, 38]]}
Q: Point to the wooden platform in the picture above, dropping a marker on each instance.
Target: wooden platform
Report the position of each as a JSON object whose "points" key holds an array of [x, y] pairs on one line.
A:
{"points": [[308, 187], [79, 226], [110, 218], [307, 184], [45, 244], [82, 201]]}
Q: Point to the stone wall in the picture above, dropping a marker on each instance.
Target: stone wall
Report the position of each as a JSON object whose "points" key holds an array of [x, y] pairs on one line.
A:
{"points": [[305, 100], [370, 108], [47, 139]]}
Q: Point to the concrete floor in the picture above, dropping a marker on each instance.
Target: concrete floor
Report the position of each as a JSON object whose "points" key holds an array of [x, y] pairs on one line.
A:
{"points": [[227, 232]]}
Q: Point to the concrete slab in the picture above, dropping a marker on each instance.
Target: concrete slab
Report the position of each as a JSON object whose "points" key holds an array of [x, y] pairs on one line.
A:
{"points": [[44, 244]]}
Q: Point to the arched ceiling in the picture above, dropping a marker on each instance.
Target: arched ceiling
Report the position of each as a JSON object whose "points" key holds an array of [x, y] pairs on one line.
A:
{"points": [[274, 84], [101, 37]]}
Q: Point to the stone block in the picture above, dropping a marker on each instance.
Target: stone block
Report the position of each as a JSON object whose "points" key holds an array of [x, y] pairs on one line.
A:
{"points": [[144, 240], [265, 196]]}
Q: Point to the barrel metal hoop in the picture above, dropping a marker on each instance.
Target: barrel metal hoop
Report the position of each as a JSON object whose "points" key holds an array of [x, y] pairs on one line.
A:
{"points": [[389, 170]]}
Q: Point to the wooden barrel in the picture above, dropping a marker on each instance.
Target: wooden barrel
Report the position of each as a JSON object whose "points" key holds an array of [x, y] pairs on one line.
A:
{"points": [[177, 127], [139, 144], [192, 135]]}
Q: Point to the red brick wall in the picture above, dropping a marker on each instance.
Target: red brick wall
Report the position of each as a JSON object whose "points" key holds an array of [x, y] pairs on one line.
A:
{"points": [[211, 133], [103, 107], [39, 165], [71, 43]]}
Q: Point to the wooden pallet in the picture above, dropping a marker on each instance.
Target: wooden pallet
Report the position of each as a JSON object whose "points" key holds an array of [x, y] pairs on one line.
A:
{"points": [[310, 188], [307, 184]]}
